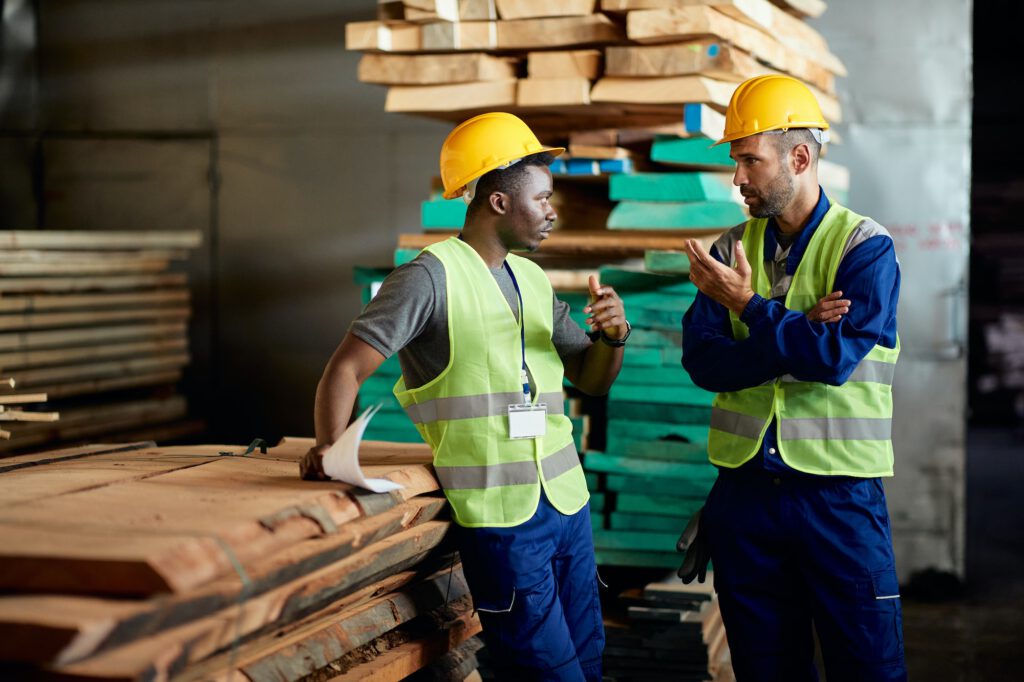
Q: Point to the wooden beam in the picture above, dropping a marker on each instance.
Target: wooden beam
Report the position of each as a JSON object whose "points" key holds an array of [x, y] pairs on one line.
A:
{"points": [[443, 36], [41, 302], [93, 267], [434, 69], [553, 92], [91, 386], [530, 9], [670, 90], [593, 29], [98, 240], [44, 320], [453, 97], [78, 354], [100, 370], [15, 398], [376, 36], [90, 335], [23, 416], [564, 64], [53, 284], [802, 8]]}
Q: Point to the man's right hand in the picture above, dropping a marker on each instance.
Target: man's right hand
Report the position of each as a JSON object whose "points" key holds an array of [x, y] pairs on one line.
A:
{"points": [[311, 467], [830, 308]]}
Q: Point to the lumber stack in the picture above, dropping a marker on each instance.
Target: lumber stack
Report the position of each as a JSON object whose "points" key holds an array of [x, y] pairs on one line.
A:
{"points": [[671, 632], [96, 325], [138, 562]]}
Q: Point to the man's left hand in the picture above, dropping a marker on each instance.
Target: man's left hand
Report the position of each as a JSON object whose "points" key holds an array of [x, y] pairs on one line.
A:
{"points": [[607, 313], [725, 285]]}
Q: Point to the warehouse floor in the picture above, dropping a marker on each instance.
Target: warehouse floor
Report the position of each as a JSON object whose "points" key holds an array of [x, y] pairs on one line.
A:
{"points": [[979, 635]]}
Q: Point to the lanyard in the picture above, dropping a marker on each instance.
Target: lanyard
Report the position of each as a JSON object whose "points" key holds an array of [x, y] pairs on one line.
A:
{"points": [[522, 333]]}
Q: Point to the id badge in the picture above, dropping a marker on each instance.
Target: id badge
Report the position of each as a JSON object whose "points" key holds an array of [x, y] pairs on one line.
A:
{"points": [[527, 421]]}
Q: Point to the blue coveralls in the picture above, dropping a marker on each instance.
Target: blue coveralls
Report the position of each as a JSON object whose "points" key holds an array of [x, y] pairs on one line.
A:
{"points": [[535, 590], [790, 548]]}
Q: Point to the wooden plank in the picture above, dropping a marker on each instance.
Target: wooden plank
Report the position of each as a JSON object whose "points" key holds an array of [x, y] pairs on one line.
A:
{"points": [[687, 187], [406, 659], [370, 452], [45, 320], [564, 64], [650, 541], [692, 153], [25, 416], [701, 120], [688, 22], [161, 652], [613, 557], [434, 69], [56, 257], [37, 358], [34, 284], [376, 36], [704, 57], [90, 335], [41, 458], [803, 8], [704, 215], [667, 90], [458, 96], [84, 267], [621, 464], [40, 302], [529, 9], [462, 35], [99, 240], [32, 378], [692, 490], [183, 508], [552, 92], [92, 386], [296, 650], [597, 243], [15, 398], [524, 34]]}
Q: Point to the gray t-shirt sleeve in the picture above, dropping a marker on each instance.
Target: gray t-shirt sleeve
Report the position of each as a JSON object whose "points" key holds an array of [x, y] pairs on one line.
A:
{"points": [[399, 312], [568, 337]]}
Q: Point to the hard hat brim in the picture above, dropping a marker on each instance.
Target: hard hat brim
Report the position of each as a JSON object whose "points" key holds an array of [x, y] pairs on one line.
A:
{"points": [[460, 190]]}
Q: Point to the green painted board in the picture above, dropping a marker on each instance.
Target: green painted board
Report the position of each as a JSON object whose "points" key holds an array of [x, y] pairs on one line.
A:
{"points": [[367, 275], [658, 215], [656, 429], [639, 281], [671, 187], [671, 451], [674, 375], [644, 542], [677, 414], [577, 432], [663, 395], [403, 256], [641, 357], [593, 481], [663, 505], [661, 315], [597, 502], [597, 522], [695, 488], [655, 338], [615, 557], [636, 466], [647, 522], [378, 384], [668, 262], [392, 435], [447, 214], [693, 151]]}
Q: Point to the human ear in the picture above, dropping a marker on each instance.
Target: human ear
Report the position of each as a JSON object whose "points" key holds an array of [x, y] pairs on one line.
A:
{"points": [[499, 202]]}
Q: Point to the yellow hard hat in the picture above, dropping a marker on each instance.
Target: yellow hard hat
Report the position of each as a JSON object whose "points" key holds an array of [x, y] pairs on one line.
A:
{"points": [[483, 143], [773, 102]]}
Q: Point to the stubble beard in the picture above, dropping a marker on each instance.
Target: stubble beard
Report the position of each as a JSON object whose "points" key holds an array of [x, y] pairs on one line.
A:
{"points": [[775, 197]]}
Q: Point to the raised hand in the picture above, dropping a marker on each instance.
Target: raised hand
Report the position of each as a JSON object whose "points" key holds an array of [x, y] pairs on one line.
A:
{"points": [[829, 308]]}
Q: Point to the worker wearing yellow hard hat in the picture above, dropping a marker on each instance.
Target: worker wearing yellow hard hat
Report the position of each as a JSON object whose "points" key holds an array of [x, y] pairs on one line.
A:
{"points": [[484, 345], [794, 328]]}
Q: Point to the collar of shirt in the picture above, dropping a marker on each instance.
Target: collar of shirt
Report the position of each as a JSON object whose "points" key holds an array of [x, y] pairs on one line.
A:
{"points": [[796, 251]]}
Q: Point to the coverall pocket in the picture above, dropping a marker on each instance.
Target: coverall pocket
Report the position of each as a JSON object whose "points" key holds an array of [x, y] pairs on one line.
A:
{"points": [[498, 601]]}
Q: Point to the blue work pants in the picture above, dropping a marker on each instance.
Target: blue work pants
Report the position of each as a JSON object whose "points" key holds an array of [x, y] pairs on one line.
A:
{"points": [[535, 590], [791, 550]]}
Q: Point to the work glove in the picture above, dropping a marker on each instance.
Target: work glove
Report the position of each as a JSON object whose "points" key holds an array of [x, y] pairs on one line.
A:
{"points": [[694, 541]]}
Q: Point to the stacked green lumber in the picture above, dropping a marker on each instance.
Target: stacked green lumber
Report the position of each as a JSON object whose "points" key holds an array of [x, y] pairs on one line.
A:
{"points": [[653, 474]]}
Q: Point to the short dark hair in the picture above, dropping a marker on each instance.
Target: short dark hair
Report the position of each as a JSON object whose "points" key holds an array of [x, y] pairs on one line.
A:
{"points": [[508, 181], [794, 136]]}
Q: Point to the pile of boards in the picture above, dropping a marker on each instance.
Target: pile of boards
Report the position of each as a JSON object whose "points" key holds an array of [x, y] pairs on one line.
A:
{"points": [[135, 562], [94, 325], [670, 633], [589, 61]]}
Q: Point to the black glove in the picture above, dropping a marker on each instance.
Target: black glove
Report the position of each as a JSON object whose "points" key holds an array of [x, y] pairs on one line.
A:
{"points": [[694, 541]]}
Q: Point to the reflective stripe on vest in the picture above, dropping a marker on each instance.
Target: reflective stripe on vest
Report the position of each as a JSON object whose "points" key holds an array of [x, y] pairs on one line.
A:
{"points": [[489, 478], [822, 429], [474, 406], [508, 473]]}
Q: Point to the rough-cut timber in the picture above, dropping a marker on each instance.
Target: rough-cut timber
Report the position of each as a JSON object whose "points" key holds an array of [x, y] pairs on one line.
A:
{"points": [[529, 9]]}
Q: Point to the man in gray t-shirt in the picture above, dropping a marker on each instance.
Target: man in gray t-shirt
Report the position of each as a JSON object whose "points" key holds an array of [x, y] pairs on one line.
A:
{"points": [[533, 582]]}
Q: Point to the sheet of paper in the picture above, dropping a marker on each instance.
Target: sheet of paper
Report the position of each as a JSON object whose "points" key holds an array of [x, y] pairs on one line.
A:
{"points": [[341, 462]]}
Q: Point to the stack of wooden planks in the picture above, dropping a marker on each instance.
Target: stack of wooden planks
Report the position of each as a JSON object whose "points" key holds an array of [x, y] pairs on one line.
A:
{"points": [[139, 562], [96, 325], [671, 633], [585, 64]]}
